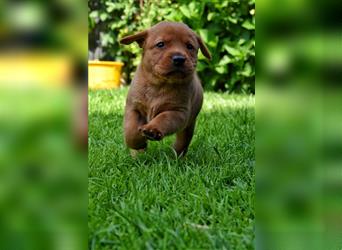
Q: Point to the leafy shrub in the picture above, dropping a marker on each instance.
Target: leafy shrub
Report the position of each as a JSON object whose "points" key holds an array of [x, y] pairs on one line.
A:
{"points": [[226, 26]]}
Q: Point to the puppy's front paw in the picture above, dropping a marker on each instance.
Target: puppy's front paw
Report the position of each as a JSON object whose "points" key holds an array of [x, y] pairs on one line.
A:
{"points": [[152, 134]]}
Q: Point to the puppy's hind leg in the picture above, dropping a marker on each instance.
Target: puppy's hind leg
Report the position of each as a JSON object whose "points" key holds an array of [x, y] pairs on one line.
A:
{"points": [[183, 140]]}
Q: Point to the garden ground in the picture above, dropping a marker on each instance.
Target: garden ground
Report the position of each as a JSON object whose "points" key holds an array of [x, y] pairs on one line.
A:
{"points": [[202, 201]]}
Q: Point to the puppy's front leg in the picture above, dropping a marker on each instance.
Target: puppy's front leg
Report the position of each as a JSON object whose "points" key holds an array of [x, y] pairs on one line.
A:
{"points": [[134, 139], [165, 123], [183, 139]]}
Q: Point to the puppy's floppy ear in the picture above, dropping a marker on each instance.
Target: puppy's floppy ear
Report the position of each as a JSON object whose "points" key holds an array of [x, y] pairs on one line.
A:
{"points": [[203, 48], [138, 37]]}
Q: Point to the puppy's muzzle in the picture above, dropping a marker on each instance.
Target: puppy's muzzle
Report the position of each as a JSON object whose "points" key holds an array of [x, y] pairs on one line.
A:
{"points": [[178, 60]]}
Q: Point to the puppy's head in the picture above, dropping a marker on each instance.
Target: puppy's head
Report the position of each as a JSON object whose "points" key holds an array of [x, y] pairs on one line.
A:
{"points": [[170, 49]]}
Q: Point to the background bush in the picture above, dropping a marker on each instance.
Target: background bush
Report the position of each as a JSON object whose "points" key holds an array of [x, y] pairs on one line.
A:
{"points": [[226, 26]]}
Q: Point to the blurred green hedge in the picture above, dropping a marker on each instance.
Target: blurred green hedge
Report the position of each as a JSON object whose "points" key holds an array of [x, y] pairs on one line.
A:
{"points": [[226, 26]]}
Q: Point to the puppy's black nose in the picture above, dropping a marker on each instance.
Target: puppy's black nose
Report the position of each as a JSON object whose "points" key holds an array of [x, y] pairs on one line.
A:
{"points": [[178, 60]]}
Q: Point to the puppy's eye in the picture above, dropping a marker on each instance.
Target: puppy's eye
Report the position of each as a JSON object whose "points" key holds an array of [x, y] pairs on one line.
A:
{"points": [[160, 44], [189, 46]]}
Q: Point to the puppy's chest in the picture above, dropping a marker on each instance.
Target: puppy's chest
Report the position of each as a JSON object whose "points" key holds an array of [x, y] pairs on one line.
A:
{"points": [[151, 103]]}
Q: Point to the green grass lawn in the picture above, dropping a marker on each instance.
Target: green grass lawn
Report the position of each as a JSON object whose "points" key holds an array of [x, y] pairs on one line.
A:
{"points": [[202, 201]]}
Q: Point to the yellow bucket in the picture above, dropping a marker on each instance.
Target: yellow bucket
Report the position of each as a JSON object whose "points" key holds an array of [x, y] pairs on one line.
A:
{"points": [[33, 69], [104, 74]]}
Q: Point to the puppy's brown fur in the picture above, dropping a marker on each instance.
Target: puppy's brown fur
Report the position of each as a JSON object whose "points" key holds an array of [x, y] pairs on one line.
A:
{"points": [[166, 95]]}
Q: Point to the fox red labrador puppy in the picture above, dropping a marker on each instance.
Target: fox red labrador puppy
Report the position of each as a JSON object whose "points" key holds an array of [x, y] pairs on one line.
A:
{"points": [[166, 95]]}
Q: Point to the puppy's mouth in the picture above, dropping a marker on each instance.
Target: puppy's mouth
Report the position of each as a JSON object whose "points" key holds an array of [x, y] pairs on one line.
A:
{"points": [[173, 72], [176, 73]]}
